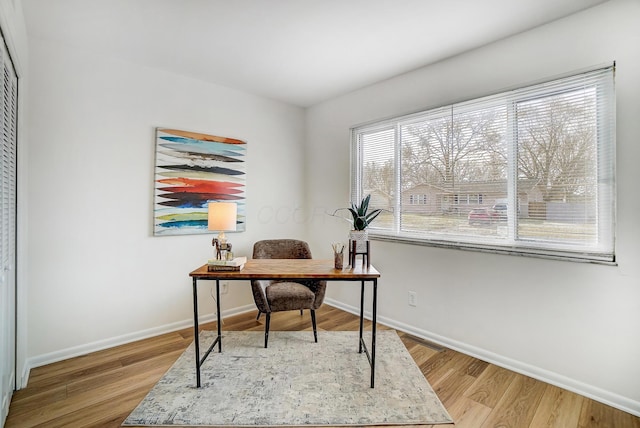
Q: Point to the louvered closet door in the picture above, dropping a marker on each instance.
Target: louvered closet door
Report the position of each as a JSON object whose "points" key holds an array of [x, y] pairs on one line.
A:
{"points": [[8, 127]]}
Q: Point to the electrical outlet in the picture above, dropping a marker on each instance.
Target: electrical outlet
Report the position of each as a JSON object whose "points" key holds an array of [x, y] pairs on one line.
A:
{"points": [[413, 298], [225, 288]]}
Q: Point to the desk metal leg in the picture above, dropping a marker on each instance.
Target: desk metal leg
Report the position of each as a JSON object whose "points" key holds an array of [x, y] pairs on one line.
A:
{"points": [[195, 330], [217, 341], [373, 331], [371, 354], [219, 316], [361, 315]]}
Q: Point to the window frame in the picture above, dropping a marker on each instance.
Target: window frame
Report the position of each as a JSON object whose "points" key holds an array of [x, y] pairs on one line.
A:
{"points": [[605, 160]]}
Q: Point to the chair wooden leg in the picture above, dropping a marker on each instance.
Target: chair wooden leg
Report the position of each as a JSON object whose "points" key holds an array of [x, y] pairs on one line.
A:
{"points": [[313, 322], [258, 317], [266, 329], [301, 312]]}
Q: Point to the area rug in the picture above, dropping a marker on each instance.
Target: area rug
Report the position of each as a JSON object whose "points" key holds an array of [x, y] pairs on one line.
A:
{"points": [[294, 382]]}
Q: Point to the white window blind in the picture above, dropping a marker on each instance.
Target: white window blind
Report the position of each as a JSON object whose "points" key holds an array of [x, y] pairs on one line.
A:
{"points": [[528, 171]]}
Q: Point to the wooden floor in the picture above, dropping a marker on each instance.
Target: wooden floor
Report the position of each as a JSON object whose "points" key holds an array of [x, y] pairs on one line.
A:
{"points": [[101, 389]]}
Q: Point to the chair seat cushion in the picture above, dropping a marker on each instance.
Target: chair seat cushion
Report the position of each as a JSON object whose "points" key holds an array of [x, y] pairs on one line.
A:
{"points": [[288, 296]]}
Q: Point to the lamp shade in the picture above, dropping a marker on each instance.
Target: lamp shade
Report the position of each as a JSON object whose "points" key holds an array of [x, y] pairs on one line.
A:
{"points": [[222, 216]]}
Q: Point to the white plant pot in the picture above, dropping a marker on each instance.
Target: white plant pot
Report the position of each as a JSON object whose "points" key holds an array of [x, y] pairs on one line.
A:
{"points": [[360, 237]]}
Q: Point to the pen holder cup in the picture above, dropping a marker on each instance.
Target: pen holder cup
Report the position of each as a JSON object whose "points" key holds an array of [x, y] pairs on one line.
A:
{"points": [[338, 259]]}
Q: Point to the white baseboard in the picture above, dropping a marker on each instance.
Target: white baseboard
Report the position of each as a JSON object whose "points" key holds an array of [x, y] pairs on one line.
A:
{"points": [[64, 354], [607, 397]]}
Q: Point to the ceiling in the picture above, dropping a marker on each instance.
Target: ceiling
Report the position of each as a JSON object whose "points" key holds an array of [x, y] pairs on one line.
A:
{"points": [[297, 51]]}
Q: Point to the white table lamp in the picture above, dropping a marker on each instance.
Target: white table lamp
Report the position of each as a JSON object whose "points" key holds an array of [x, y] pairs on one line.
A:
{"points": [[222, 217]]}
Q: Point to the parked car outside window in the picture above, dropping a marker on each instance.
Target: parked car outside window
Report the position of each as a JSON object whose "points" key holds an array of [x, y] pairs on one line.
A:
{"points": [[481, 216], [500, 211]]}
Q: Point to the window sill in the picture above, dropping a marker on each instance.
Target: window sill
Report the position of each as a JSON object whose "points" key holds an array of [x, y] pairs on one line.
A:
{"points": [[512, 251]]}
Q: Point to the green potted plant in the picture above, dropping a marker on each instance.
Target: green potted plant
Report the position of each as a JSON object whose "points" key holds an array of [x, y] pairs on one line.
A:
{"points": [[361, 218]]}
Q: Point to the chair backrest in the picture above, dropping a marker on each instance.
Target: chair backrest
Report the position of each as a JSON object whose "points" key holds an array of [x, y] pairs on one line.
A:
{"points": [[281, 249]]}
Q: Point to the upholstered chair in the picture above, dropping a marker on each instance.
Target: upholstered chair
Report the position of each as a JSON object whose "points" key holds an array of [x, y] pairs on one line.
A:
{"points": [[278, 295]]}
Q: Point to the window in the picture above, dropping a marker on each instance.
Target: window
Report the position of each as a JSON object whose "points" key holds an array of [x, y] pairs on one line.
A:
{"points": [[540, 160], [418, 199]]}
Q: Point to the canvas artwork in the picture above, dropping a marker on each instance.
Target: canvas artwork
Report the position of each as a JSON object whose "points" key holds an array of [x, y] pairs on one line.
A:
{"points": [[193, 169]]}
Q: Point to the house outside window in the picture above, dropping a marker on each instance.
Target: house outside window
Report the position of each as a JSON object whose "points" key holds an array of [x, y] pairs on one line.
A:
{"points": [[540, 159]]}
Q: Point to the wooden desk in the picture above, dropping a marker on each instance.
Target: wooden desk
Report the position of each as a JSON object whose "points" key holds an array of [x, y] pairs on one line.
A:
{"points": [[289, 269]]}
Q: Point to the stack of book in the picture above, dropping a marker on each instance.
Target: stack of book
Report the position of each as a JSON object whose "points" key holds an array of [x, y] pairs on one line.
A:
{"points": [[226, 265]]}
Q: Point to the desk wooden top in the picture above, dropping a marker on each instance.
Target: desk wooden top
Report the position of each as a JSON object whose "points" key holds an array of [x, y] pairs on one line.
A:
{"points": [[290, 269]]}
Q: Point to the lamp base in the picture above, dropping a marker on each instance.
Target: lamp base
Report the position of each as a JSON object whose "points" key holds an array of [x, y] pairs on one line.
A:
{"points": [[222, 249]]}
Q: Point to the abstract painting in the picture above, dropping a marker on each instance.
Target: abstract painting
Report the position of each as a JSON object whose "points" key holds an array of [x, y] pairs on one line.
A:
{"points": [[193, 169]]}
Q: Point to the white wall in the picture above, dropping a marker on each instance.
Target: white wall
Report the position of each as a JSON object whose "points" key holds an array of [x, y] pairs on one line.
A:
{"points": [[97, 275], [573, 324]]}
